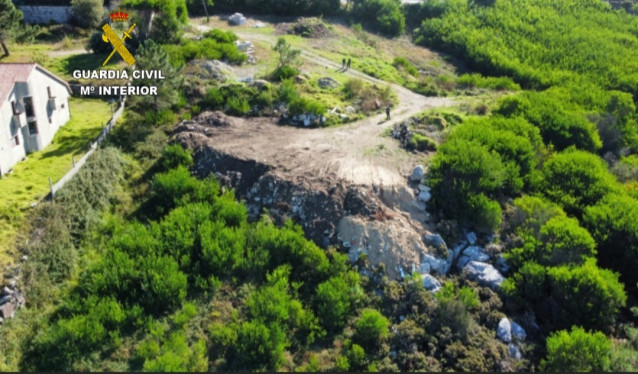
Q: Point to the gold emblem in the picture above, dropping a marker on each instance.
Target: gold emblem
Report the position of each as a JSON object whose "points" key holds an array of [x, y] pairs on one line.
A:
{"points": [[110, 36]]}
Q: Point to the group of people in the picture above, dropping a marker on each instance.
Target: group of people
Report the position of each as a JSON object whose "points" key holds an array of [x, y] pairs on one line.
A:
{"points": [[345, 64]]}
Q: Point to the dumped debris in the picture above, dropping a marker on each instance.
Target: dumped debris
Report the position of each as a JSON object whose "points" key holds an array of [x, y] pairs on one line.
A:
{"points": [[236, 19]]}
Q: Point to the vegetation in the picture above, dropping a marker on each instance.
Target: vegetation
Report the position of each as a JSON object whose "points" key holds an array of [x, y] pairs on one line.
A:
{"points": [[10, 18], [383, 15], [577, 350], [87, 13]]}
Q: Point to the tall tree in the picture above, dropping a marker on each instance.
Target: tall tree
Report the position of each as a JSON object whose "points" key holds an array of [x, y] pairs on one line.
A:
{"points": [[87, 13], [10, 18]]}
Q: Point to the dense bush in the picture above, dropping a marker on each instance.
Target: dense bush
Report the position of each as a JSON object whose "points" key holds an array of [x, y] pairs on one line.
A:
{"points": [[613, 222], [564, 296], [87, 13], [383, 15], [577, 351], [281, 7], [576, 180], [214, 45]]}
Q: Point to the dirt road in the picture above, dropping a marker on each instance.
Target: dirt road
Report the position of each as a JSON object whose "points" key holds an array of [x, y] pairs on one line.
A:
{"points": [[355, 152]]}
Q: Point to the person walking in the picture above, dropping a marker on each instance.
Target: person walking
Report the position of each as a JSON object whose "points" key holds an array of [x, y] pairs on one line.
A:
{"points": [[343, 63], [387, 112], [349, 61]]}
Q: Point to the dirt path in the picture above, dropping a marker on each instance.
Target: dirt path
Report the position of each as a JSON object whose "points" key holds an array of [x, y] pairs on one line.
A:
{"points": [[356, 152]]}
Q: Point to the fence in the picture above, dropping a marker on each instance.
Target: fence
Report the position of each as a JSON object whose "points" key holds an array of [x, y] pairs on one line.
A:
{"points": [[55, 187]]}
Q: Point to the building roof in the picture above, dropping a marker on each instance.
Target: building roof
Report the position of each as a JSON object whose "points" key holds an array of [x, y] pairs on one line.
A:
{"points": [[11, 73]]}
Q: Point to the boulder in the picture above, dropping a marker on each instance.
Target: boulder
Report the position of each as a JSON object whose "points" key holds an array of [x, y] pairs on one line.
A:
{"points": [[430, 283], [7, 310], [515, 352], [243, 45], [471, 238], [435, 240], [417, 173], [6, 291], [504, 330], [350, 110], [259, 25], [472, 253], [5, 299], [260, 84], [327, 82], [518, 332], [237, 19], [483, 273], [437, 265], [424, 196]]}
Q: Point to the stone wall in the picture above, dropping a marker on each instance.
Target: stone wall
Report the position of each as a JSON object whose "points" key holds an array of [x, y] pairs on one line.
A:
{"points": [[42, 14]]}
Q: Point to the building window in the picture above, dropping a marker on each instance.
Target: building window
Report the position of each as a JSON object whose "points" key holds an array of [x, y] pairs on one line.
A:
{"points": [[33, 128], [28, 106], [15, 141], [15, 107]]}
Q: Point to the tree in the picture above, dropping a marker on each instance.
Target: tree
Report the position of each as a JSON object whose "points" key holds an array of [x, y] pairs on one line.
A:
{"points": [[287, 55], [336, 298], [10, 18], [384, 15], [577, 351], [87, 13], [151, 56]]}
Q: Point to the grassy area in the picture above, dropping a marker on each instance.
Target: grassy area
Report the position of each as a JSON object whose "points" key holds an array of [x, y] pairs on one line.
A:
{"points": [[29, 182]]}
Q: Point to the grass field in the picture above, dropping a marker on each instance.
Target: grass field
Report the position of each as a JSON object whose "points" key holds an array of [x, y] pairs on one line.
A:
{"points": [[29, 182]]}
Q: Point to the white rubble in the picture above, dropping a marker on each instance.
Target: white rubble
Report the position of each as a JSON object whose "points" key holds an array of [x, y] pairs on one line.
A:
{"points": [[472, 253], [417, 173], [430, 283], [504, 330], [485, 274], [237, 19]]}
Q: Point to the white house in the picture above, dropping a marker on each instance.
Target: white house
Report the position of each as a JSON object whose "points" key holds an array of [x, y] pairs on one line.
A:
{"points": [[33, 105]]}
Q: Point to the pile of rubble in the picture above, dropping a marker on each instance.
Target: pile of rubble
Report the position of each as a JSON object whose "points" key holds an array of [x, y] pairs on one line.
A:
{"points": [[11, 298], [236, 19], [248, 48]]}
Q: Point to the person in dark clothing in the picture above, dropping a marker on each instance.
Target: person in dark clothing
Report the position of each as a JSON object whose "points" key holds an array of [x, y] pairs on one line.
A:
{"points": [[343, 63], [349, 61], [387, 112]]}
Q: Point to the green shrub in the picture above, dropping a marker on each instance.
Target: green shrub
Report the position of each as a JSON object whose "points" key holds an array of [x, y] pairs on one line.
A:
{"points": [[577, 350], [494, 83], [576, 180], [237, 106], [371, 328], [221, 36], [285, 72], [422, 143], [406, 65]]}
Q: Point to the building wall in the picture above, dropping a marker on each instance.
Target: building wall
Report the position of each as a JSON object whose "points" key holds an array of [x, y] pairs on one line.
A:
{"points": [[39, 14], [10, 127], [58, 112]]}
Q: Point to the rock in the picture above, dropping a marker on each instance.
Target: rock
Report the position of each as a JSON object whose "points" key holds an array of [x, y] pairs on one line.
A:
{"points": [[423, 187], [243, 45], [350, 110], [7, 310], [514, 352], [237, 19], [205, 69], [424, 196], [504, 330], [435, 240], [5, 299], [430, 283], [471, 238], [472, 254], [437, 265], [327, 82], [417, 173], [6, 291], [1, 320], [259, 25], [260, 83], [518, 332], [484, 274]]}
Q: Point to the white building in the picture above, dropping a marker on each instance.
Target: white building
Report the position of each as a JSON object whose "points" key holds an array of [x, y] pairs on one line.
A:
{"points": [[33, 105]]}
